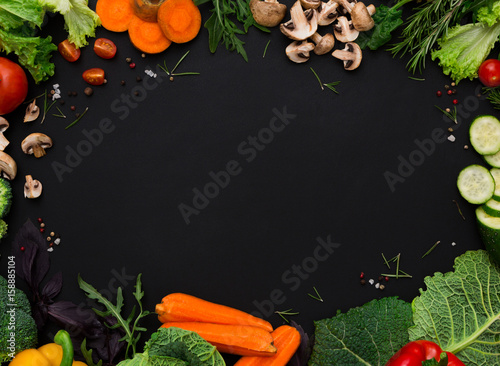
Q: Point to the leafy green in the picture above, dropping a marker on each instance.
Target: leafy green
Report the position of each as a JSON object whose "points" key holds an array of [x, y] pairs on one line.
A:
{"points": [[176, 347], [130, 324], [366, 335], [386, 21], [460, 310], [464, 48], [489, 15], [15, 12]]}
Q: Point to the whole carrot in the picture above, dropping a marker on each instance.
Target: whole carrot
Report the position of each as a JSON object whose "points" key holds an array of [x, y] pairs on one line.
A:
{"points": [[243, 340], [179, 307], [286, 340]]}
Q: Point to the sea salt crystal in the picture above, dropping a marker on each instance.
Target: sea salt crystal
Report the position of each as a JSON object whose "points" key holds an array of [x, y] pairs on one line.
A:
{"points": [[453, 244], [51, 249], [451, 138], [377, 285], [371, 281], [150, 73]]}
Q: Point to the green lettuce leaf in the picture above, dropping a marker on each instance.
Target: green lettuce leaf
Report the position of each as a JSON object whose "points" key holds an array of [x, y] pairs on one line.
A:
{"points": [[14, 13], [464, 48], [489, 15], [79, 20], [34, 53], [460, 310], [364, 336]]}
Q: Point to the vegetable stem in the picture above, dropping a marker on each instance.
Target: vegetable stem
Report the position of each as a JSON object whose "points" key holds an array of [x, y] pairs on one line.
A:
{"points": [[431, 249], [317, 296]]}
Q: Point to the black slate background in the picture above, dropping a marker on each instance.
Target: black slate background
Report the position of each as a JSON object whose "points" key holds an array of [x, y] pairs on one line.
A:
{"points": [[252, 247]]}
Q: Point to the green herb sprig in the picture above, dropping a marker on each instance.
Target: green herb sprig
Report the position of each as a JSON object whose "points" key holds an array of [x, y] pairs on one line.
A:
{"points": [[171, 73], [450, 113], [330, 86], [316, 295], [283, 314]]}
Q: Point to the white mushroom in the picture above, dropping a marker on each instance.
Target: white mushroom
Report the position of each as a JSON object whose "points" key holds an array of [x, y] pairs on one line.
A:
{"points": [[310, 4], [324, 44], [32, 112], [268, 13], [344, 30], [3, 126], [32, 187], [298, 51], [36, 143], [361, 17], [302, 25], [351, 55], [8, 167], [327, 12]]}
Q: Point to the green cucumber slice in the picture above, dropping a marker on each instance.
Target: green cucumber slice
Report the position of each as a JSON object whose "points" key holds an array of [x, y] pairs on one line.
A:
{"points": [[476, 184], [484, 133], [495, 173], [489, 231], [493, 160], [492, 208]]}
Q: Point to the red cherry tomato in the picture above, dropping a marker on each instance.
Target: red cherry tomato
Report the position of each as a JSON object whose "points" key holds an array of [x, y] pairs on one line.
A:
{"points": [[104, 48], [13, 85], [489, 73], [94, 76], [68, 51], [414, 353]]}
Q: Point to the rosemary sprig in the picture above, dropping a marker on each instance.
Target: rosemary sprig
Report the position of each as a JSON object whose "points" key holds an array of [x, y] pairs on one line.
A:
{"points": [[317, 296], [46, 106], [171, 73], [431, 249], [283, 314], [330, 86], [451, 114], [265, 49], [386, 262], [493, 96], [399, 272], [60, 115], [416, 79], [459, 210], [77, 120]]}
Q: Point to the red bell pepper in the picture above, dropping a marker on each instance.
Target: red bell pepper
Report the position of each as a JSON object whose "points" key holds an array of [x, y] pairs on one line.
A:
{"points": [[414, 353]]}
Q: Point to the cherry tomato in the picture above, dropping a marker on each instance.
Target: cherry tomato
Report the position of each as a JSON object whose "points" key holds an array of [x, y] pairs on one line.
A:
{"points": [[69, 51], [94, 76], [104, 48], [489, 73], [13, 85]]}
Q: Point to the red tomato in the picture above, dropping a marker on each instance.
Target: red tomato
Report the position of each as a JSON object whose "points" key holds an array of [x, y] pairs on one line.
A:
{"points": [[94, 76], [69, 51], [489, 73], [13, 85], [104, 48]]}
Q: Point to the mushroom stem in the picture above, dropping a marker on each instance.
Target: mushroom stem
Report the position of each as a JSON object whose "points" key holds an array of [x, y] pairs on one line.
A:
{"points": [[38, 151], [3, 142], [316, 37]]}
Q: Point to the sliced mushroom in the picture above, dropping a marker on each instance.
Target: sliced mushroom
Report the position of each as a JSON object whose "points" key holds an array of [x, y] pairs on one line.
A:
{"points": [[344, 30], [3, 126], [32, 112], [36, 143], [32, 187], [361, 18], [351, 55], [302, 25], [298, 51], [310, 4], [324, 44], [8, 167], [268, 13], [327, 12]]}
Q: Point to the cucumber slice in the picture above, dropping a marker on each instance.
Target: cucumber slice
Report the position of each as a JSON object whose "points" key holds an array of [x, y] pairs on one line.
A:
{"points": [[495, 173], [489, 231], [492, 208], [484, 133], [493, 160], [476, 184]]}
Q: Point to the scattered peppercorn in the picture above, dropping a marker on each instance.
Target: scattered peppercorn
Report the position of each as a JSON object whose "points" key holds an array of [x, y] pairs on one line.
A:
{"points": [[88, 91], [128, 60], [136, 93], [450, 129], [74, 93], [171, 78], [61, 101], [138, 79], [447, 87], [439, 93], [132, 65], [449, 92], [70, 94], [382, 287], [49, 238], [73, 108], [466, 147], [362, 275], [52, 92], [453, 83], [39, 219], [455, 101], [448, 110], [380, 278], [52, 233], [143, 55], [386, 278], [51, 244], [363, 281], [122, 82], [77, 115], [42, 224], [42, 230]]}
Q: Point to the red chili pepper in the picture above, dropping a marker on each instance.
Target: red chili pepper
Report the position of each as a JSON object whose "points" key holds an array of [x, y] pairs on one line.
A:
{"points": [[414, 353]]}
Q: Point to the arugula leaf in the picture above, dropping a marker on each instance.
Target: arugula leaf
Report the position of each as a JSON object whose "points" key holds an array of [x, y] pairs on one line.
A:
{"points": [[460, 310], [386, 20], [366, 335]]}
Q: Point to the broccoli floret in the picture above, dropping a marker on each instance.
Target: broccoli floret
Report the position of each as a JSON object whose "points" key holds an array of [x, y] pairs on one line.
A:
{"points": [[3, 228], [18, 329], [5, 197]]}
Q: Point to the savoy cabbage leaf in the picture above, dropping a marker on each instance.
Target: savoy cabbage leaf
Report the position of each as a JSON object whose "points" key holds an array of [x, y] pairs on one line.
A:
{"points": [[365, 336], [460, 310]]}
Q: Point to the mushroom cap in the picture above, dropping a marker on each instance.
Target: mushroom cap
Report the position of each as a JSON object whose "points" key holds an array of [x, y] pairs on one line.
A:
{"points": [[327, 12], [361, 18], [351, 55], [35, 139], [344, 31], [298, 51], [310, 4], [4, 124], [267, 13], [8, 167], [32, 187], [302, 25], [324, 44], [32, 112]]}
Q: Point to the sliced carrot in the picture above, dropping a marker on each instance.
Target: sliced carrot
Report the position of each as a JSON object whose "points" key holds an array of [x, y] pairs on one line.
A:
{"points": [[115, 14], [286, 340], [243, 340], [147, 36], [180, 20], [179, 307]]}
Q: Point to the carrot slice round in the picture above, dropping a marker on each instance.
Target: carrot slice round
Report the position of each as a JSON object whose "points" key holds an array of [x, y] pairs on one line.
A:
{"points": [[147, 36], [180, 20], [115, 14]]}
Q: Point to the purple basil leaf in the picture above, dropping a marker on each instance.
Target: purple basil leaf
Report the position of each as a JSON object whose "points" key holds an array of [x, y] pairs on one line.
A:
{"points": [[303, 353], [52, 287], [40, 314], [76, 319]]}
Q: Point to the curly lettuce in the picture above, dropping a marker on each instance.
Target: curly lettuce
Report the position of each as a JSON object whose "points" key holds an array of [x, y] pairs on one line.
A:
{"points": [[465, 47]]}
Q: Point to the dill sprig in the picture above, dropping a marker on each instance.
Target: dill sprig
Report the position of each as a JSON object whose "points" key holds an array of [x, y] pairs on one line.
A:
{"points": [[493, 96]]}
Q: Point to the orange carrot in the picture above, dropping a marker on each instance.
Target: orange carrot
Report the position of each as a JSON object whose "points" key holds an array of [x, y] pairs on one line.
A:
{"points": [[180, 20], [286, 340], [243, 340], [115, 14], [179, 307], [147, 36]]}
